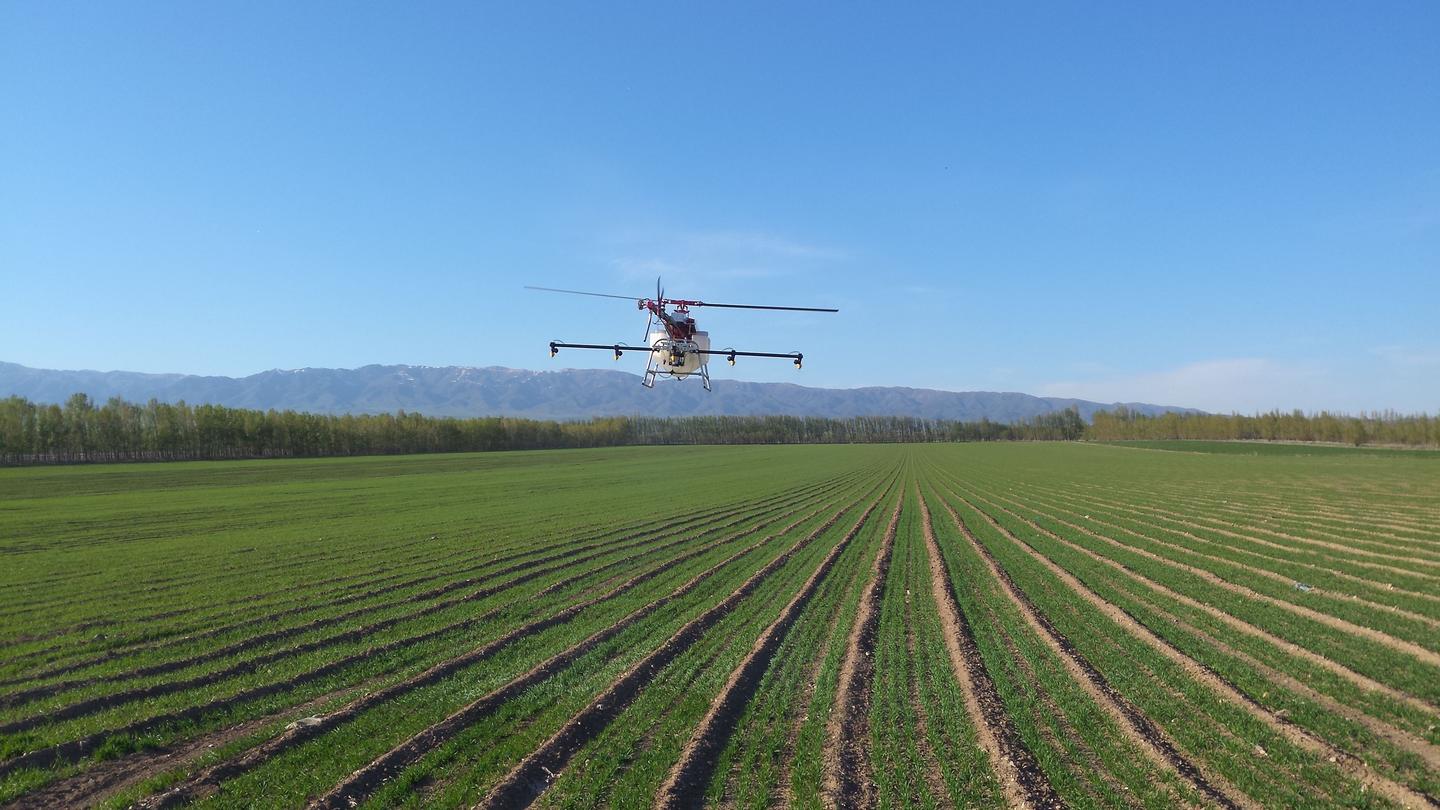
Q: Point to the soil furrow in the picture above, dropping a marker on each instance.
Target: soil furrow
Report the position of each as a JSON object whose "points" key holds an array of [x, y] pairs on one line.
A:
{"points": [[1348, 520], [1389, 557], [685, 785], [155, 588], [1399, 645], [1265, 572], [1286, 497], [360, 783], [1358, 679], [250, 642], [76, 749], [517, 554], [783, 791], [1394, 791], [1316, 517], [533, 774], [516, 559], [934, 774], [848, 778], [1251, 540], [1146, 736], [1428, 752], [1070, 506], [181, 634], [1023, 781], [206, 781], [93, 785], [102, 702]]}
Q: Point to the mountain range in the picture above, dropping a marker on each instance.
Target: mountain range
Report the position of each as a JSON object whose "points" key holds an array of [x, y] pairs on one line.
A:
{"points": [[498, 391]]}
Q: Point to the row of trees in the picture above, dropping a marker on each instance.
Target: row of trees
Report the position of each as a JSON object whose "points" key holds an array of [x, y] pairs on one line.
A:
{"points": [[1374, 428], [81, 431], [854, 430]]}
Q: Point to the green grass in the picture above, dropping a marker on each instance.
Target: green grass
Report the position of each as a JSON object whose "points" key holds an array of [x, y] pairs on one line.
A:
{"points": [[265, 575], [1064, 728], [1263, 448]]}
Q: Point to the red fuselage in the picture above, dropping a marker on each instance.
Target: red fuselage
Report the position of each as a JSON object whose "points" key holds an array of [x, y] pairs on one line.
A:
{"points": [[679, 325]]}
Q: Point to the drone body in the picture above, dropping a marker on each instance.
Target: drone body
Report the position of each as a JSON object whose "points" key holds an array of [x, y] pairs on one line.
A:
{"points": [[676, 348]]}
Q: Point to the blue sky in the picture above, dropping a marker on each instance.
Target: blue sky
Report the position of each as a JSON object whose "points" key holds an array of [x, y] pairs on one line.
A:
{"points": [[1222, 205]]}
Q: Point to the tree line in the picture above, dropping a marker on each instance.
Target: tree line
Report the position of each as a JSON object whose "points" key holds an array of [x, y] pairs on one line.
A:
{"points": [[118, 430], [1386, 427]]}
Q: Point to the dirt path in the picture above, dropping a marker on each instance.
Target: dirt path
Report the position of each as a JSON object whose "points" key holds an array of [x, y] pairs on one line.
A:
{"points": [[685, 785], [1024, 783]]}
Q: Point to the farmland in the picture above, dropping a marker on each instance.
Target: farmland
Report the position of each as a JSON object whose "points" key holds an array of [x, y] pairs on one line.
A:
{"points": [[1046, 624]]}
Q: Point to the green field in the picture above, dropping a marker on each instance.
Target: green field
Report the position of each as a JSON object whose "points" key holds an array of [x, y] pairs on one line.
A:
{"points": [[973, 625]]}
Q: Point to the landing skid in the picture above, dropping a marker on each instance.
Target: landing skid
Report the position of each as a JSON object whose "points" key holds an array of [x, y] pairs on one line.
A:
{"points": [[652, 372]]}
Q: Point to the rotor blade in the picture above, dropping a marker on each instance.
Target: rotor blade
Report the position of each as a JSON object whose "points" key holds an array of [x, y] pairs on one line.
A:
{"points": [[733, 353], [621, 347], [582, 292], [758, 306]]}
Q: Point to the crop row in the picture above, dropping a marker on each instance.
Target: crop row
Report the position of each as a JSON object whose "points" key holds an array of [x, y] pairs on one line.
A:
{"points": [[1033, 626], [362, 659], [1214, 632], [422, 594]]}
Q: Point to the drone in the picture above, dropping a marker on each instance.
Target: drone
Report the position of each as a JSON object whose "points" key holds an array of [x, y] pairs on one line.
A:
{"points": [[676, 348]]}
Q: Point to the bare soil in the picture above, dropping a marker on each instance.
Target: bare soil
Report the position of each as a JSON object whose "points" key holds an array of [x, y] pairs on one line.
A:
{"points": [[685, 785], [1400, 794], [848, 775], [534, 773], [1138, 728], [363, 781], [1023, 781]]}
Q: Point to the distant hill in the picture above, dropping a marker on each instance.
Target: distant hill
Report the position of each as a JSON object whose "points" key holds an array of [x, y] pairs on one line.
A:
{"points": [[496, 391]]}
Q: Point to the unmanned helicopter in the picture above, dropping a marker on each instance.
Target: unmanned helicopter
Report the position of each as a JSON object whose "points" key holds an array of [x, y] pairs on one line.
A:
{"points": [[676, 347]]}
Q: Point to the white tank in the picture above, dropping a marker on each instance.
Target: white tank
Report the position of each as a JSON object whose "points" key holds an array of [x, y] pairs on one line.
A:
{"points": [[692, 362]]}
